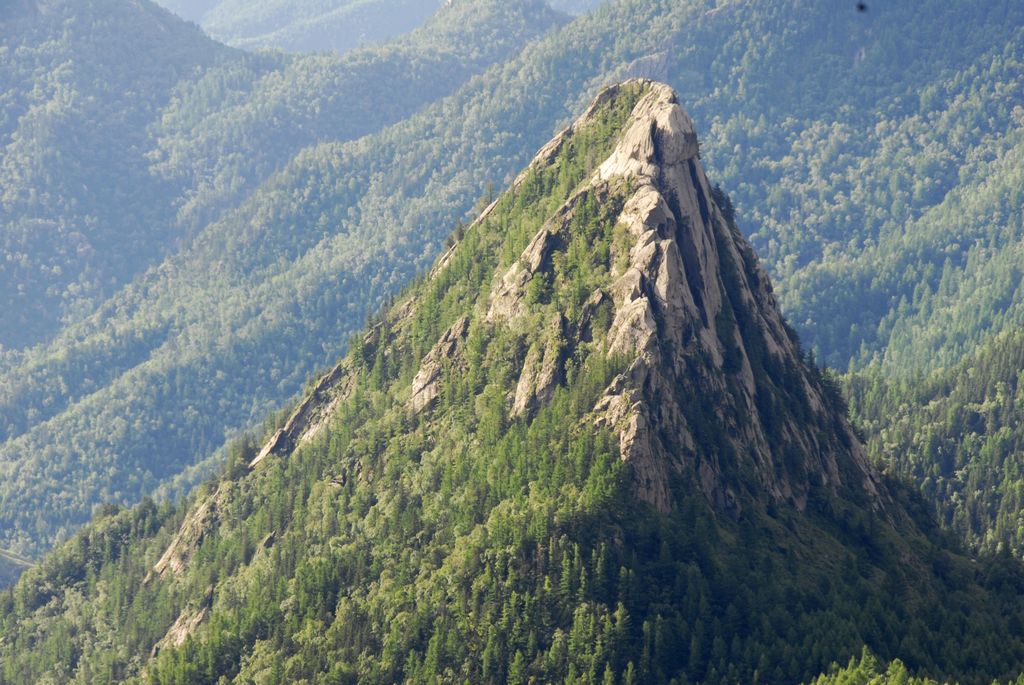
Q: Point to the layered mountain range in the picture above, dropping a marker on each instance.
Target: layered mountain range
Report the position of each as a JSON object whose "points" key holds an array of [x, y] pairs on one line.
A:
{"points": [[149, 205], [584, 448], [316, 25]]}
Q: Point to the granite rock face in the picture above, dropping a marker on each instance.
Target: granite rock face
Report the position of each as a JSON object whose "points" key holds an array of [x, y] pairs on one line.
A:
{"points": [[426, 385], [717, 388], [542, 371], [696, 311]]}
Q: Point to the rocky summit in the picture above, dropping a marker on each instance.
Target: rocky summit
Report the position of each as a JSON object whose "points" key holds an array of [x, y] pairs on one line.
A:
{"points": [[695, 315]]}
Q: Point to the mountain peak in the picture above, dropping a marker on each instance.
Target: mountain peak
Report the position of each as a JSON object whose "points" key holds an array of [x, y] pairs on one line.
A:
{"points": [[635, 296], [716, 389], [661, 136]]}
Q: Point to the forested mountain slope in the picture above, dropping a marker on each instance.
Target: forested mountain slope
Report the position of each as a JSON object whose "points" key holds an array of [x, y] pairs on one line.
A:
{"points": [[819, 123], [958, 436], [586, 448], [228, 131], [104, 412], [79, 84], [110, 160], [266, 289]]}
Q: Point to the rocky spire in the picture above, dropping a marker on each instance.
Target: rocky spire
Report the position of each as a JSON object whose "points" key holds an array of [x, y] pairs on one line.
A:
{"points": [[717, 388]]}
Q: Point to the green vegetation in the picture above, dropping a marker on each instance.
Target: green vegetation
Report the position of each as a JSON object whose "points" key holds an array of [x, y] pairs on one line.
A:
{"points": [[458, 543], [874, 157], [957, 434]]}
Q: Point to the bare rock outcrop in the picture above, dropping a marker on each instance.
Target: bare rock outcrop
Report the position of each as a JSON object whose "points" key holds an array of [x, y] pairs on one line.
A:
{"points": [[196, 526], [542, 371], [186, 624], [507, 300], [309, 417], [695, 312], [426, 385]]}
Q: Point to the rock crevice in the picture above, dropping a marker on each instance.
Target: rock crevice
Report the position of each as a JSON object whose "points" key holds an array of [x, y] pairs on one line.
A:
{"points": [[426, 385]]}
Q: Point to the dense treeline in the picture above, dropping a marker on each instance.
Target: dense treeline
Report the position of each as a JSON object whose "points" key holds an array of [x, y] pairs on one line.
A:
{"points": [[868, 671], [459, 543], [957, 435]]}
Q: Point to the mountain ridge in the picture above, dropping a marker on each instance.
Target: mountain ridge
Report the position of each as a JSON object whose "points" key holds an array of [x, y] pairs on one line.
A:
{"points": [[447, 154], [141, 396]]}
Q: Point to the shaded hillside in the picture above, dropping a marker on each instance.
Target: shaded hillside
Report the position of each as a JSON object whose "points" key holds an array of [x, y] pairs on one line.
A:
{"points": [[957, 435]]}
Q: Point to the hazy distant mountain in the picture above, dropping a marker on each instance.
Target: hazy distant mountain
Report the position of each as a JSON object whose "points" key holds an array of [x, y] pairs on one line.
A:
{"points": [[304, 25], [575, 6], [125, 394]]}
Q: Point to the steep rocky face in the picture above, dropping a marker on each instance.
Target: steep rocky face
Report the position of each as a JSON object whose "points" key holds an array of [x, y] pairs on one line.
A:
{"points": [[426, 386], [309, 417], [715, 387]]}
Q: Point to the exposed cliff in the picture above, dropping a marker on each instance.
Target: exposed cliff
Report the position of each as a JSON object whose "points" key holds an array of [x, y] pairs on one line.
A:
{"points": [[715, 383]]}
